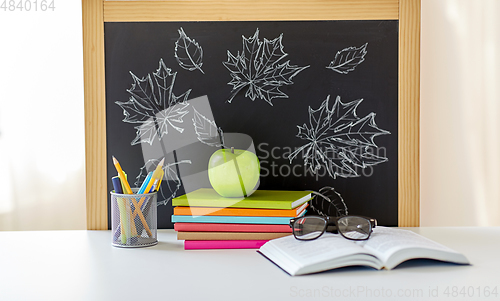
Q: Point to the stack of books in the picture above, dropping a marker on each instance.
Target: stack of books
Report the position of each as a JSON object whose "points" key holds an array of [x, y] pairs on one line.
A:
{"points": [[205, 220]]}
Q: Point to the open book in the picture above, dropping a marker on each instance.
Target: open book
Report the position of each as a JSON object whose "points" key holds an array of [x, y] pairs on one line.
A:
{"points": [[386, 248]]}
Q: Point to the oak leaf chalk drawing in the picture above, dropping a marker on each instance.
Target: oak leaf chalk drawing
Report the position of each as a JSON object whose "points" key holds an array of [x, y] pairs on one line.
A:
{"points": [[348, 59], [259, 69], [339, 140], [207, 131], [188, 52], [170, 182], [154, 106]]}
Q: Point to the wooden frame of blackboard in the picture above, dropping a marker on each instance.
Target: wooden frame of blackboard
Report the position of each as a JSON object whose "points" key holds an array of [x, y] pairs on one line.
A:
{"points": [[96, 12]]}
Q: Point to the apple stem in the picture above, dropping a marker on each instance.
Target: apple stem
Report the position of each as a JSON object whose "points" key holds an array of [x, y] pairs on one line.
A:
{"points": [[232, 150], [221, 136]]}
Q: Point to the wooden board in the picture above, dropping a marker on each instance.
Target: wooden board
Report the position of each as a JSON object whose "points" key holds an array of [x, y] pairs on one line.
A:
{"points": [[249, 10], [409, 113], [95, 121], [96, 12]]}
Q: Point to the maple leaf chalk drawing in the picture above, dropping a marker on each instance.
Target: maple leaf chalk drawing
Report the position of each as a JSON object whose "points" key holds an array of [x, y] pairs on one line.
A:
{"points": [[154, 106], [348, 59], [207, 131], [188, 52], [339, 140], [259, 69]]}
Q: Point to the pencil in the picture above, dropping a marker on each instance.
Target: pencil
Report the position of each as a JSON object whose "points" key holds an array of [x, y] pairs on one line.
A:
{"points": [[145, 183], [161, 179], [128, 190], [121, 174], [117, 185], [157, 174]]}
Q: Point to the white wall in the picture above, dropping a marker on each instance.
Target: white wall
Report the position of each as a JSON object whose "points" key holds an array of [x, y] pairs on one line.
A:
{"points": [[41, 119], [42, 136], [460, 109]]}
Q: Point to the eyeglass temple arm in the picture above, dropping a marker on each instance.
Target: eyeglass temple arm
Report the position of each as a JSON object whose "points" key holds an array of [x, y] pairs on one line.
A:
{"points": [[373, 221]]}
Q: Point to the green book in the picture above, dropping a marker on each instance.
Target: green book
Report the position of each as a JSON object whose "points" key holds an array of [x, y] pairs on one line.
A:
{"points": [[263, 199]]}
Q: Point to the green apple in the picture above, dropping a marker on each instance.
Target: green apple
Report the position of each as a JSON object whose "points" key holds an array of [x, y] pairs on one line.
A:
{"points": [[234, 172]]}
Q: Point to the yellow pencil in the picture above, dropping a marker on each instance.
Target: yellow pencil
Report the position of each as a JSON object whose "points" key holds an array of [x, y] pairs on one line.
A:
{"points": [[141, 217], [157, 174], [128, 190], [161, 179], [121, 174]]}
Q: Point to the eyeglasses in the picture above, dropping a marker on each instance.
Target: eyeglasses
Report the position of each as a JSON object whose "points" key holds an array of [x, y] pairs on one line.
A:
{"points": [[350, 226]]}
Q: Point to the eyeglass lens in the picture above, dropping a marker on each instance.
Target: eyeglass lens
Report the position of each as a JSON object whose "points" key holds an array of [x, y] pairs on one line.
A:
{"points": [[354, 227], [309, 227]]}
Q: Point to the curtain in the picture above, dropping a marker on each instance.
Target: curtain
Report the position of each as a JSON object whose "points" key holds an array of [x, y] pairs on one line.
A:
{"points": [[42, 141], [460, 109]]}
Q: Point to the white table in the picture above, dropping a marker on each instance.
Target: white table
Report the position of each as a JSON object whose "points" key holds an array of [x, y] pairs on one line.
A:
{"points": [[82, 265]]}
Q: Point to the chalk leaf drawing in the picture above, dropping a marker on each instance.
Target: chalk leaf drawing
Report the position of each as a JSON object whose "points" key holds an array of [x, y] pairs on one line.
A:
{"points": [[188, 52], [170, 182], [259, 69], [328, 202], [207, 131], [348, 59], [154, 106], [339, 140]]}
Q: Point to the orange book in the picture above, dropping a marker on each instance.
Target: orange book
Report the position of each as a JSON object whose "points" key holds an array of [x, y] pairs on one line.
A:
{"points": [[239, 211]]}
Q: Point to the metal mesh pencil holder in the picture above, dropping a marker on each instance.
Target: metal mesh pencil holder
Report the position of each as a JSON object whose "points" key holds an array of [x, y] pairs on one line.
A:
{"points": [[133, 219]]}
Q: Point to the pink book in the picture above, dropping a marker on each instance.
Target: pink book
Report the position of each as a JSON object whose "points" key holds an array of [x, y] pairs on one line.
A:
{"points": [[214, 227], [223, 244]]}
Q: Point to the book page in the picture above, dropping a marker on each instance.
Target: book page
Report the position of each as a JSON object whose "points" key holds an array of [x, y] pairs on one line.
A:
{"points": [[330, 251], [386, 242], [327, 247]]}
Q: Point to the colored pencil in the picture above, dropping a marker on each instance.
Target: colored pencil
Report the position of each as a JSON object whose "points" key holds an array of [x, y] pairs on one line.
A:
{"points": [[145, 183], [121, 174], [128, 190], [156, 175]]}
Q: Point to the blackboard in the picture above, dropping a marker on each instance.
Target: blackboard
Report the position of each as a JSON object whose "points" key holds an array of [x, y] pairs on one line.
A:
{"points": [[366, 93]]}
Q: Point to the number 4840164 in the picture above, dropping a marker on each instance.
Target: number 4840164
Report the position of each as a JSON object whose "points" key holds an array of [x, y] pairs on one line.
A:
{"points": [[28, 5]]}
